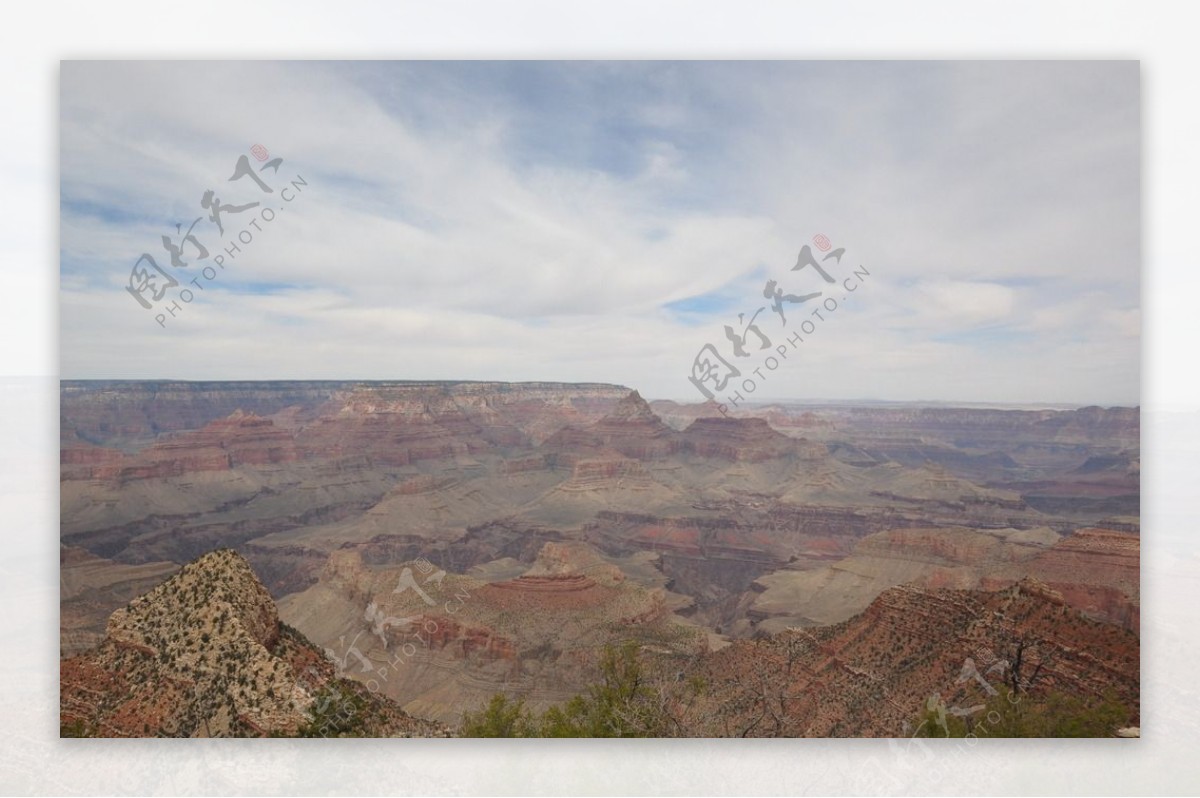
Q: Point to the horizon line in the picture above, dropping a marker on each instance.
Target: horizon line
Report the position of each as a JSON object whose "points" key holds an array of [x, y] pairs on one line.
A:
{"points": [[763, 402]]}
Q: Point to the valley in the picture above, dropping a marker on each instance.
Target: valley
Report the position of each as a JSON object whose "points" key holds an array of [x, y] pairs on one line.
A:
{"points": [[445, 542]]}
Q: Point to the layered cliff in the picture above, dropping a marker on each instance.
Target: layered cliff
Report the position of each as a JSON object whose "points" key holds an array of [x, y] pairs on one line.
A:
{"points": [[631, 429], [744, 439], [221, 445], [131, 414], [877, 673], [952, 557], [447, 641], [222, 464], [1096, 571]]}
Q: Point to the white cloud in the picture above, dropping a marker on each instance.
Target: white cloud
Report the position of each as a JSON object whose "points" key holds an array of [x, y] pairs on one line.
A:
{"points": [[452, 229], [960, 303]]}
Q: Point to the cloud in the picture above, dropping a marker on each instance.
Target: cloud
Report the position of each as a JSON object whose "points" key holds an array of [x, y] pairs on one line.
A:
{"points": [[597, 221], [960, 303]]}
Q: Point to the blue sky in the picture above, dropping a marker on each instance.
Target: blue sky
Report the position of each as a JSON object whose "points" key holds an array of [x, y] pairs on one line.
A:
{"points": [[603, 221]]}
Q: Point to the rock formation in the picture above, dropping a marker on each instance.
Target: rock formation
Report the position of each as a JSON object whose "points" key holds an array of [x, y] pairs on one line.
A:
{"points": [[875, 674], [744, 439], [1096, 571], [204, 655], [630, 429], [448, 641], [571, 516]]}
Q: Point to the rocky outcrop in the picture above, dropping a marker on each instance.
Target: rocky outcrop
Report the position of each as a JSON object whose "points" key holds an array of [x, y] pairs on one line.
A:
{"points": [[1094, 571], [529, 592], [204, 654], [464, 642], [392, 427], [634, 430], [875, 674]]}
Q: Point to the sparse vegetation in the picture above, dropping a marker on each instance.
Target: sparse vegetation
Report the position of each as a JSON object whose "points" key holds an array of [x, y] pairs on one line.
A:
{"points": [[337, 711], [501, 717], [1052, 714], [75, 728], [625, 702]]}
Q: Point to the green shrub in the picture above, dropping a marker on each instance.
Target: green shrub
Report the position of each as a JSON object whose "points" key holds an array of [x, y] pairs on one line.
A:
{"points": [[622, 704], [500, 718]]}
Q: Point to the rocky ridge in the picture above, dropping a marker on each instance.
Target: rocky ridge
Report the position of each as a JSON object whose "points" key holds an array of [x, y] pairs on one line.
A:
{"points": [[204, 655], [874, 674]]}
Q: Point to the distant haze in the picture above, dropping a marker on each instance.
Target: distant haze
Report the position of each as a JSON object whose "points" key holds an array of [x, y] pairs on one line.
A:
{"points": [[602, 222]]}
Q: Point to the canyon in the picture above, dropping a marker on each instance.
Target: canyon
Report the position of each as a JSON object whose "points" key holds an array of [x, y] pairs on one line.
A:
{"points": [[446, 541]]}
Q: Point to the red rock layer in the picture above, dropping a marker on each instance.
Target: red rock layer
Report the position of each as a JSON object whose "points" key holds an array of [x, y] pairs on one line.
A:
{"points": [[743, 439], [240, 439], [1095, 571], [554, 592], [465, 641]]}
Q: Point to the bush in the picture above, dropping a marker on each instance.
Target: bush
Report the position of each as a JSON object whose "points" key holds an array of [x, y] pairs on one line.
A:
{"points": [[500, 718], [621, 704]]}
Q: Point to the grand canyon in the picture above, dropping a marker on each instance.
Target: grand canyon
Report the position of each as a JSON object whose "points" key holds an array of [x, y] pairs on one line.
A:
{"points": [[418, 558]]}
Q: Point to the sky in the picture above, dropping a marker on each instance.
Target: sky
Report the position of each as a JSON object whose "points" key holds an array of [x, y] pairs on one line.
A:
{"points": [[606, 221]]}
